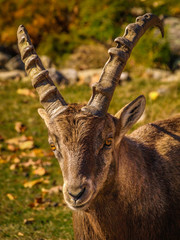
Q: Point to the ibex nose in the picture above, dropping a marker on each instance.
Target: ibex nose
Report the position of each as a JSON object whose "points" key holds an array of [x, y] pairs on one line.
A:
{"points": [[76, 193]]}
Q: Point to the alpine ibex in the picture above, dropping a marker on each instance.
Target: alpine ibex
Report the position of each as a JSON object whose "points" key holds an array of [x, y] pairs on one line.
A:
{"points": [[120, 187]]}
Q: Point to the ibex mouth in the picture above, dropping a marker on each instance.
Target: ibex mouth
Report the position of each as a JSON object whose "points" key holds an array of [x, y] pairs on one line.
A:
{"points": [[80, 207], [78, 198]]}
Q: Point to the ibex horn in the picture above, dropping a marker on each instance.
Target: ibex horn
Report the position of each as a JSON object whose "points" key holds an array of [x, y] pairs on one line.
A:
{"points": [[104, 89], [50, 97]]}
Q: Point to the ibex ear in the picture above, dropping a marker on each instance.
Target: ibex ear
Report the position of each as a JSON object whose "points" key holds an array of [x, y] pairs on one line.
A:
{"points": [[43, 114], [129, 114]]}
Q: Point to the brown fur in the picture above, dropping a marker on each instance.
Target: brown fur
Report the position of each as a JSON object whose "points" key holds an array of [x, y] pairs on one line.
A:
{"points": [[136, 186], [120, 187]]}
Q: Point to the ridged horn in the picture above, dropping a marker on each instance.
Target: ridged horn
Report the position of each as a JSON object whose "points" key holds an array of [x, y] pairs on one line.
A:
{"points": [[104, 89], [49, 95]]}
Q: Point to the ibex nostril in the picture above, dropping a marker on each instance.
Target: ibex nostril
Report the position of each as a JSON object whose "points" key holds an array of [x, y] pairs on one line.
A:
{"points": [[76, 195]]}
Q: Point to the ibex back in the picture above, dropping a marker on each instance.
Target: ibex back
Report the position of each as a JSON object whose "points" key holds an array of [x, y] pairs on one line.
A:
{"points": [[119, 187]]}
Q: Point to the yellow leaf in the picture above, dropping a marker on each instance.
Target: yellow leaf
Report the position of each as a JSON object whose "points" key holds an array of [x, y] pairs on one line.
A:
{"points": [[29, 220], [10, 196], [53, 190], [16, 160], [153, 95], [12, 167], [38, 152], [30, 184], [26, 145], [16, 140], [2, 160], [20, 234], [12, 147], [26, 92], [39, 171]]}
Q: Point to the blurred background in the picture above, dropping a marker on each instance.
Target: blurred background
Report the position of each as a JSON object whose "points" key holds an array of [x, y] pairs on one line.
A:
{"points": [[77, 34], [72, 39]]}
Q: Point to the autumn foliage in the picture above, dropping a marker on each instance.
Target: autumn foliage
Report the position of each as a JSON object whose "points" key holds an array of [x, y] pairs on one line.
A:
{"points": [[60, 26]]}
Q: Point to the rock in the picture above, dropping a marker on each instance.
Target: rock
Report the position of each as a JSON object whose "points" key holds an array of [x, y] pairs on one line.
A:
{"points": [[46, 61], [4, 58], [57, 76], [5, 75], [173, 77], [15, 63], [92, 76], [70, 74], [157, 74], [173, 34], [124, 77], [89, 76]]}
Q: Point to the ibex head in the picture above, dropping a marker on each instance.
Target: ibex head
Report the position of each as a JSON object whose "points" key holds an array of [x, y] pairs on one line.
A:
{"points": [[84, 138]]}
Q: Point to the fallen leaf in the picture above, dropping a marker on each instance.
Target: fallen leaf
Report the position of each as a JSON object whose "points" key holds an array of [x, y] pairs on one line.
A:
{"points": [[153, 95], [2, 160], [30, 162], [22, 142], [38, 152], [12, 147], [26, 145], [30, 184], [39, 171], [53, 190], [20, 127], [16, 140], [16, 160], [20, 234], [41, 204], [10, 196], [13, 167], [26, 92], [28, 221], [37, 202]]}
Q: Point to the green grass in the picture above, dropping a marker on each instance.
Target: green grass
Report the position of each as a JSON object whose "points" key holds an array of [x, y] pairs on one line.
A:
{"points": [[54, 222]]}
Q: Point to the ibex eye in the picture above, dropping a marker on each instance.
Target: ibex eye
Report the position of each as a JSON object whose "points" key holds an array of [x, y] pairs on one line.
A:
{"points": [[108, 142], [53, 148]]}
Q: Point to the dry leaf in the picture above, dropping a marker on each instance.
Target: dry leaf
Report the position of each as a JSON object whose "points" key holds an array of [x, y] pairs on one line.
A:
{"points": [[20, 234], [10, 196], [36, 203], [53, 190], [13, 167], [26, 145], [22, 142], [38, 152], [16, 160], [26, 92], [16, 140], [39, 171], [30, 184], [28, 221], [41, 204], [30, 162], [2, 160], [12, 147], [20, 127]]}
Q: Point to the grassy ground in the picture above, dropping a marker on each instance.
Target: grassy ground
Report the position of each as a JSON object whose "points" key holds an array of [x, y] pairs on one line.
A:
{"points": [[31, 213]]}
